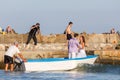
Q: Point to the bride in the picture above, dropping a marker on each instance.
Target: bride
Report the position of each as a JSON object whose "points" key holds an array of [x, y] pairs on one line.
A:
{"points": [[81, 53]]}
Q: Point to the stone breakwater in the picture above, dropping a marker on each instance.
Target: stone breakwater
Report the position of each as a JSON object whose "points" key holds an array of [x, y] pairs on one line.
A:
{"points": [[40, 47], [52, 46], [108, 56], [93, 41]]}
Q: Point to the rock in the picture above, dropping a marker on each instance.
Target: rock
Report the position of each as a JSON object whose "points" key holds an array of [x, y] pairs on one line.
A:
{"points": [[108, 47], [117, 46]]}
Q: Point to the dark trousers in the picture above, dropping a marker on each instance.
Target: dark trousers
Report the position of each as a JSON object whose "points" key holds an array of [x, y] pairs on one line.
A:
{"points": [[32, 37]]}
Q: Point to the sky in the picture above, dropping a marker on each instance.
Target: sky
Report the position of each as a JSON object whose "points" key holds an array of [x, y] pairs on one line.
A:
{"points": [[91, 16]]}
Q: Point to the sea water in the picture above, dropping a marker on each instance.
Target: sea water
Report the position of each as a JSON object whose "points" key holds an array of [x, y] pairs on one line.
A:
{"points": [[84, 72]]}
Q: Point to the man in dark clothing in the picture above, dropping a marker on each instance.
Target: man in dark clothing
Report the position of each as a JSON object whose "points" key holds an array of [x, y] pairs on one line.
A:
{"points": [[32, 33]]}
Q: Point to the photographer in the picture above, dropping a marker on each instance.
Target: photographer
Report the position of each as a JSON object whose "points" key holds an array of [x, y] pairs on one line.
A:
{"points": [[32, 34]]}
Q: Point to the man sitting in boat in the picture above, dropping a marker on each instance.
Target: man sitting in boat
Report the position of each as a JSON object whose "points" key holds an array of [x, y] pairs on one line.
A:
{"points": [[73, 46]]}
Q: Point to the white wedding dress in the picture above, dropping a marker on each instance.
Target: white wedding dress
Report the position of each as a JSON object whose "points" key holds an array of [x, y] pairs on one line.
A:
{"points": [[81, 53]]}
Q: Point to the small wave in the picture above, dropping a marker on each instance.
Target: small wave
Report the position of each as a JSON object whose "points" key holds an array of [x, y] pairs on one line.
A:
{"points": [[98, 68], [89, 68]]}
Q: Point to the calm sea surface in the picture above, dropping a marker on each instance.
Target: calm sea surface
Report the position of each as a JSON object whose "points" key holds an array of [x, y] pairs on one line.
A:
{"points": [[85, 72]]}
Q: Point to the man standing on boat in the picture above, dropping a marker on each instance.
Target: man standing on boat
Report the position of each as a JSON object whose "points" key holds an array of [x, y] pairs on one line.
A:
{"points": [[74, 46], [8, 57], [68, 32], [32, 34]]}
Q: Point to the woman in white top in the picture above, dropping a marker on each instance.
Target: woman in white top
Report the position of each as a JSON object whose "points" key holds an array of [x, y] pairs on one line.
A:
{"points": [[81, 52]]}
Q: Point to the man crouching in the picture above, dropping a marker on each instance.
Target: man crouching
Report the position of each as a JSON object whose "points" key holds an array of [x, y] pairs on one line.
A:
{"points": [[8, 57]]}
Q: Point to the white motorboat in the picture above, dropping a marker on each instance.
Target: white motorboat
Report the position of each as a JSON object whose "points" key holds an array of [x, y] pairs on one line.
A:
{"points": [[53, 64]]}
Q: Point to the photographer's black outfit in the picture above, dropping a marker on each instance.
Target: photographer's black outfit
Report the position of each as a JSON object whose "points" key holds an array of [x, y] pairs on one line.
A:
{"points": [[32, 35]]}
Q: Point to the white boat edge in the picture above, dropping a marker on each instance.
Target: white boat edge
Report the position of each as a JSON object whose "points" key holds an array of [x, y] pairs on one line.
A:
{"points": [[57, 65]]}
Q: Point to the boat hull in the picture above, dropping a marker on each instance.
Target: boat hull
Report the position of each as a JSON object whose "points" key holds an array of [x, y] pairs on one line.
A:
{"points": [[57, 63]]}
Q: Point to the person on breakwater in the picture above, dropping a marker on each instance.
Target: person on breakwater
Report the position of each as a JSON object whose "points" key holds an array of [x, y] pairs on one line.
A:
{"points": [[8, 57], [9, 30], [68, 31], [32, 34], [0, 30], [112, 31], [74, 46], [81, 53]]}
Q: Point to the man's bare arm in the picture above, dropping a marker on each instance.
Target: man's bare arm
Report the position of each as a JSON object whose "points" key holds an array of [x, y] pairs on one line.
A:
{"points": [[21, 56]]}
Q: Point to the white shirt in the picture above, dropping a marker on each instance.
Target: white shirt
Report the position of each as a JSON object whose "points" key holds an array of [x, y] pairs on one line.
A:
{"points": [[12, 51]]}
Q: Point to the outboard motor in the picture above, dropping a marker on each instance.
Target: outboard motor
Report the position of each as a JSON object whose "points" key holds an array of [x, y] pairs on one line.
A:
{"points": [[19, 64]]}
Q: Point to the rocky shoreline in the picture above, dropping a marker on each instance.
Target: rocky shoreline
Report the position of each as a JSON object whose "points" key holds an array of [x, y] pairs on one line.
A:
{"points": [[54, 46]]}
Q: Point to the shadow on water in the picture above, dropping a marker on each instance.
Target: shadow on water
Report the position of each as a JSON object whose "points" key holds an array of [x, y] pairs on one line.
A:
{"points": [[98, 68]]}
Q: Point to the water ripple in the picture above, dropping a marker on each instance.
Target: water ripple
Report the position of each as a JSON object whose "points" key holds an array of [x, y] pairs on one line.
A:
{"points": [[82, 72]]}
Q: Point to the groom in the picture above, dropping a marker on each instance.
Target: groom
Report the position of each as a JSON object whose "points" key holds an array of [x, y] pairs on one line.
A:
{"points": [[73, 45]]}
